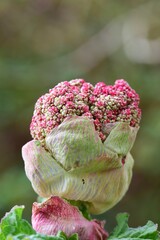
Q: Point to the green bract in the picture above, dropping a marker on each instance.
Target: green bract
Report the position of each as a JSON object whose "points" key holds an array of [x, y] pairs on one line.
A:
{"points": [[76, 165]]}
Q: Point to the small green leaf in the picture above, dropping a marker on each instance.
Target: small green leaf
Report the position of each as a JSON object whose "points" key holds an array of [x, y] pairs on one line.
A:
{"points": [[74, 237], [122, 220], [13, 224], [124, 232], [82, 207]]}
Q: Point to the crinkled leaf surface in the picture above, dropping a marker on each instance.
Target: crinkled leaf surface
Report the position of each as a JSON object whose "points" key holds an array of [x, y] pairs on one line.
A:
{"points": [[97, 176], [76, 145], [121, 138], [124, 232], [13, 224], [13, 227]]}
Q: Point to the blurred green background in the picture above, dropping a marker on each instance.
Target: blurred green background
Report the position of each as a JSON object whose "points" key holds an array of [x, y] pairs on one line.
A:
{"points": [[46, 42]]}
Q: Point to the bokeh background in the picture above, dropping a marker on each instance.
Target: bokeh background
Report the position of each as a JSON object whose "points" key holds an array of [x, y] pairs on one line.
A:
{"points": [[45, 42]]}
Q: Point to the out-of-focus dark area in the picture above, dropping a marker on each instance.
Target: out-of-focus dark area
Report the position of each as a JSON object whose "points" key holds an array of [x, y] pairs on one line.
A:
{"points": [[46, 42]]}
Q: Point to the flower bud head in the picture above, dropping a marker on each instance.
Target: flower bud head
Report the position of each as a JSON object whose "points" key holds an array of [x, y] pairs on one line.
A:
{"points": [[82, 141], [102, 104]]}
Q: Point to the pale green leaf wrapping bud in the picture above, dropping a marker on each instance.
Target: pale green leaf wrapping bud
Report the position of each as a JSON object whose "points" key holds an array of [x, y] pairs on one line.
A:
{"points": [[77, 165]]}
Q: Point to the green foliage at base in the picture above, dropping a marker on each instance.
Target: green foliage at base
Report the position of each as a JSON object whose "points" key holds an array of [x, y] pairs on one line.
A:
{"points": [[124, 232], [13, 227]]}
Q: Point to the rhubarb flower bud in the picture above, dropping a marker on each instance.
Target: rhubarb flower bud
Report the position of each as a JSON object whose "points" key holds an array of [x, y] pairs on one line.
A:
{"points": [[57, 214], [82, 141], [102, 104]]}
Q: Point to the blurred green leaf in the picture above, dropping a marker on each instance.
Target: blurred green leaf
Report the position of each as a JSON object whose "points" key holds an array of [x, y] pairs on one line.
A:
{"points": [[122, 231]]}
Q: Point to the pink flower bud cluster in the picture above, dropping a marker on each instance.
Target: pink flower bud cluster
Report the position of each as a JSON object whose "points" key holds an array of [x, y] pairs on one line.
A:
{"points": [[103, 104]]}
